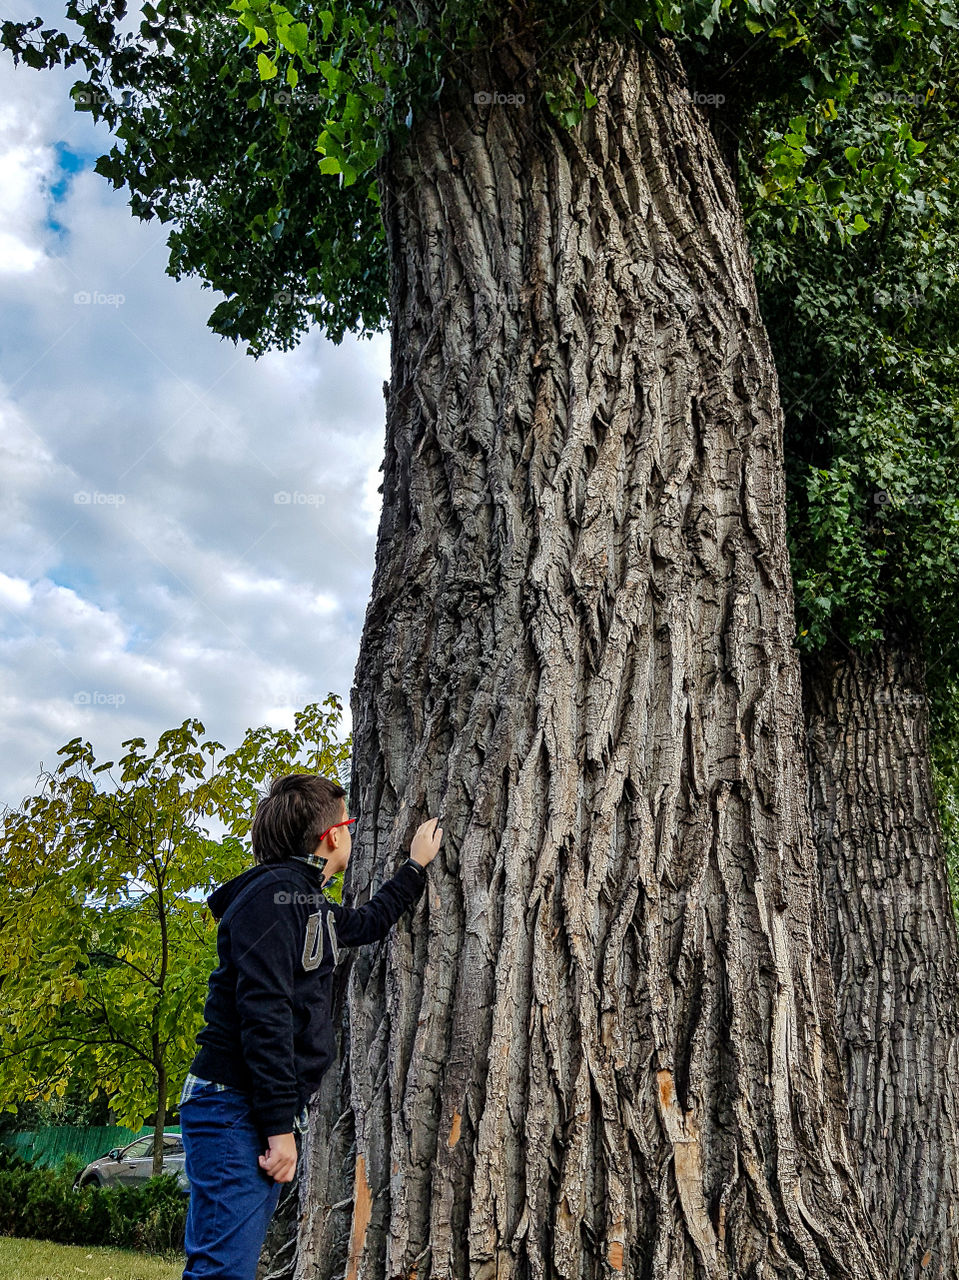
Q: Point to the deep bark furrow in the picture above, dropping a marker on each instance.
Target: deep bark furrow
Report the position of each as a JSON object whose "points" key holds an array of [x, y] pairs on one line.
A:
{"points": [[604, 1046], [893, 943]]}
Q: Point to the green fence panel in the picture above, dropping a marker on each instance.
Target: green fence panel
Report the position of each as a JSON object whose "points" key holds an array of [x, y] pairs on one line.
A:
{"points": [[49, 1147]]}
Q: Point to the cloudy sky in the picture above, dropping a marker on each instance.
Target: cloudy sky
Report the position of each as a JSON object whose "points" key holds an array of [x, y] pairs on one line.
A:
{"points": [[147, 571]]}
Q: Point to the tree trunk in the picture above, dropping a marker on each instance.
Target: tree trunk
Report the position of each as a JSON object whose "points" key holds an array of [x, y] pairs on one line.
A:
{"points": [[160, 1122], [893, 941], [278, 1255], [605, 1042]]}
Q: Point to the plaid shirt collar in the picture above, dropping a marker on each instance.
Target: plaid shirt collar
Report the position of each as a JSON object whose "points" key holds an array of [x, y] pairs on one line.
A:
{"points": [[319, 863], [312, 860]]}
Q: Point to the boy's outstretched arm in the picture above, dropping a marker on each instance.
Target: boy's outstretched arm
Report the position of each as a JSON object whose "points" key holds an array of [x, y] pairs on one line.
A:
{"points": [[372, 921]]}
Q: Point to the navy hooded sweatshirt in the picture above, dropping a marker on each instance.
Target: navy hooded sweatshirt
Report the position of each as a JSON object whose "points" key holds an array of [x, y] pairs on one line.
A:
{"points": [[268, 1027]]}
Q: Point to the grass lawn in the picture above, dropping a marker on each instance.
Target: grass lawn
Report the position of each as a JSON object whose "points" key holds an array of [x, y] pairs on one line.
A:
{"points": [[41, 1260]]}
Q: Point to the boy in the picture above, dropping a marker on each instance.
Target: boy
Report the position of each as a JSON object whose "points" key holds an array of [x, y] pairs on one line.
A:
{"points": [[268, 1038]]}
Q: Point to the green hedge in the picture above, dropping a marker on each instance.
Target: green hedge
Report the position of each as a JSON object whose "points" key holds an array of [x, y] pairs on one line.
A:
{"points": [[42, 1204]]}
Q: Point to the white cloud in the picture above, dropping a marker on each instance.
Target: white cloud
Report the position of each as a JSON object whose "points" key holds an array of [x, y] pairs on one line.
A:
{"points": [[150, 569]]}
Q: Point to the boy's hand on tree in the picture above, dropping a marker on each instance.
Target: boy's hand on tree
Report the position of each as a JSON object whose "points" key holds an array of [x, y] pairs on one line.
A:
{"points": [[279, 1161], [426, 842]]}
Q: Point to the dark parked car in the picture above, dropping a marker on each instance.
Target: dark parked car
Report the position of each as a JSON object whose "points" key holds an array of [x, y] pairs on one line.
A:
{"points": [[134, 1163]]}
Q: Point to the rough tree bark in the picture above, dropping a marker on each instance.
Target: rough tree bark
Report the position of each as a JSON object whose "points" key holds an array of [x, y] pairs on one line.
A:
{"points": [[895, 955], [605, 1043], [278, 1256]]}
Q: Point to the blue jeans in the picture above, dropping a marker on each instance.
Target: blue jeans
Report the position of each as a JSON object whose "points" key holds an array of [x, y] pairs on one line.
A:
{"points": [[231, 1198]]}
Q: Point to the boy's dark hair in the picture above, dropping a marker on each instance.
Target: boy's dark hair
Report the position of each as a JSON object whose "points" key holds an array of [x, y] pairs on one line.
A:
{"points": [[289, 821]]}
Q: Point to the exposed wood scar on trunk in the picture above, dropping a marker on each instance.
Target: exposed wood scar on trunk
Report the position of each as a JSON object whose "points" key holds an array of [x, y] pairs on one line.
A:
{"points": [[455, 1130], [687, 1161], [361, 1217]]}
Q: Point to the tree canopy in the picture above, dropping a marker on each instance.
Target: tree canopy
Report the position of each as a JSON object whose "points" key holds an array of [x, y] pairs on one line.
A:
{"points": [[255, 129]]}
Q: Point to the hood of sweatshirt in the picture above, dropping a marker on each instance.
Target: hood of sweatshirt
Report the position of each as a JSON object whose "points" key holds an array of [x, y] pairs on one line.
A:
{"points": [[220, 898]]}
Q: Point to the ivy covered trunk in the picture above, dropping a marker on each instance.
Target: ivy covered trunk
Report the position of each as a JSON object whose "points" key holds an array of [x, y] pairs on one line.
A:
{"points": [[893, 942], [604, 1043]]}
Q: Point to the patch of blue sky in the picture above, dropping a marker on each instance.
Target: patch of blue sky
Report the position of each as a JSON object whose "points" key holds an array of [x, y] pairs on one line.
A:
{"points": [[69, 164], [75, 577]]}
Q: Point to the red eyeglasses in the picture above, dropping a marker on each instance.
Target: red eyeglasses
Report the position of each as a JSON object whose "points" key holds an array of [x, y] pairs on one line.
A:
{"points": [[336, 824]]}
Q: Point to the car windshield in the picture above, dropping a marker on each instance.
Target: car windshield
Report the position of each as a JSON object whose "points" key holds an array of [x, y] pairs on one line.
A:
{"points": [[137, 1150]]}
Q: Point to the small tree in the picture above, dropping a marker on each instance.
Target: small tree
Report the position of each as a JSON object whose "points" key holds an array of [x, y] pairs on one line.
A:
{"points": [[105, 941]]}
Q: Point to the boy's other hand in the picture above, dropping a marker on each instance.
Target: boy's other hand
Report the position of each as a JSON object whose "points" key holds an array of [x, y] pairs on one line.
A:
{"points": [[426, 842], [280, 1158]]}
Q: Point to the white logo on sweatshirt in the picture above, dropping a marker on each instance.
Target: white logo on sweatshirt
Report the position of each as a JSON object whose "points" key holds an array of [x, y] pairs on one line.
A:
{"points": [[313, 942]]}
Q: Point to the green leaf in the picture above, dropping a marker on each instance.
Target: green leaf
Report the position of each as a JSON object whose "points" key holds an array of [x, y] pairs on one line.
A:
{"points": [[294, 37], [266, 67]]}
